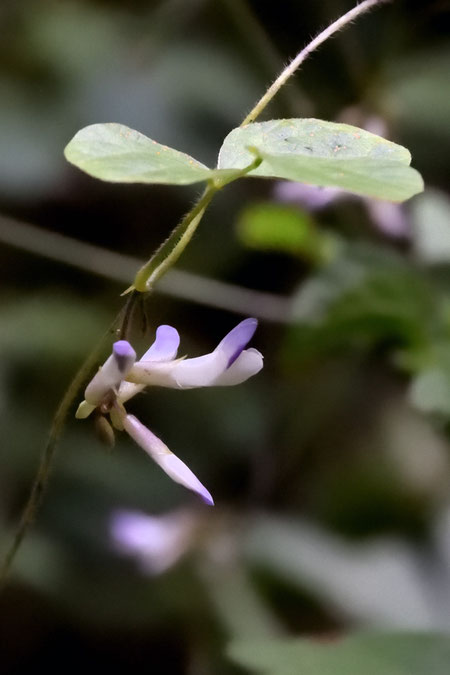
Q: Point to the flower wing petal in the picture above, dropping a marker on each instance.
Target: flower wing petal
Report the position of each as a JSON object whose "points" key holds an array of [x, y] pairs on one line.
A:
{"points": [[165, 346]]}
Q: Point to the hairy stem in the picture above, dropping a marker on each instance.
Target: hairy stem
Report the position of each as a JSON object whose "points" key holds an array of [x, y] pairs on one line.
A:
{"points": [[254, 36], [333, 28], [47, 458], [169, 252]]}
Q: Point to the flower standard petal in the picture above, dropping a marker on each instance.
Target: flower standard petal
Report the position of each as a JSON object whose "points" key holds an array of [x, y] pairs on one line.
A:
{"points": [[113, 371], [234, 342], [160, 453], [205, 370]]}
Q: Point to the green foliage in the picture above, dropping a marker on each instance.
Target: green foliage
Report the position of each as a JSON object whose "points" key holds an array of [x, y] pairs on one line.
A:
{"points": [[275, 227], [364, 296], [311, 151], [364, 654], [115, 153], [325, 154]]}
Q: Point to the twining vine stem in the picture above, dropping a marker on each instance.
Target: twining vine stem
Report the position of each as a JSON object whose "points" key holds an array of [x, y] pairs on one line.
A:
{"points": [[42, 475], [333, 28], [164, 258]]}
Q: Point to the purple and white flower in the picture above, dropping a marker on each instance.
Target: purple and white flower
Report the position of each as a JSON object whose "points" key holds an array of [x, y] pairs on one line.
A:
{"points": [[121, 377], [156, 542]]}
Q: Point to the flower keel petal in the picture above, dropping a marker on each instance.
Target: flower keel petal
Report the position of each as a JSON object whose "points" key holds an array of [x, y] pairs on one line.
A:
{"points": [[113, 371], [160, 453]]}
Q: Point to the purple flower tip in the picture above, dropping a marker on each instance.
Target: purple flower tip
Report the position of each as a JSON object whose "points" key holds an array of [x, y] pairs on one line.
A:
{"points": [[123, 348], [206, 497], [124, 354], [237, 339]]}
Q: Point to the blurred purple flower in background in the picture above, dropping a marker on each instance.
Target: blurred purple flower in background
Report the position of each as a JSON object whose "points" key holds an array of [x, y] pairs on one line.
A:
{"points": [[388, 217], [121, 377], [310, 197], [155, 542]]}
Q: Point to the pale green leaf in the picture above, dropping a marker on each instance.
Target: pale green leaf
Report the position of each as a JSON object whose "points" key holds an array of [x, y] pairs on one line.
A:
{"points": [[326, 154], [113, 152], [359, 654]]}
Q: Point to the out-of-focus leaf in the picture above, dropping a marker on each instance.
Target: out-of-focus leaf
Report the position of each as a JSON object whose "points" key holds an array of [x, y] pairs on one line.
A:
{"points": [[359, 654], [417, 89], [325, 154], [375, 583], [431, 227], [363, 296], [44, 326], [430, 391], [275, 227], [116, 153]]}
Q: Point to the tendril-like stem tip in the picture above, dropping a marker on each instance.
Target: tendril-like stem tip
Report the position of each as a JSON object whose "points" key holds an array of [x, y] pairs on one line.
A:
{"points": [[290, 69]]}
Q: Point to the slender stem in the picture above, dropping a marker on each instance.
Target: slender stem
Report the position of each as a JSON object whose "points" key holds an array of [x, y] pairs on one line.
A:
{"points": [[47, 458], [254, 36], [127, 316], [169, 252], [333, 28]]}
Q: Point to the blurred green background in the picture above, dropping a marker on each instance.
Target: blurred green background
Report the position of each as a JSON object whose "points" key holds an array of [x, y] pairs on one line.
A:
{"points": [[330, 469]]}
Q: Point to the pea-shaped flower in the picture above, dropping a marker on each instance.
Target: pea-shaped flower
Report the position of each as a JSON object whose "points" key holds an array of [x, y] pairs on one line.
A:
{"points": [[121, 377]]}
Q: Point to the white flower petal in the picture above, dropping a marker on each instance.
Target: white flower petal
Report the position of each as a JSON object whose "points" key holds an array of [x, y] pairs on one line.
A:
{"points": [[182, 374], [248, 363], [128, 389], [160, 453], [201, 371], [150, 373], [113, 371]]}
